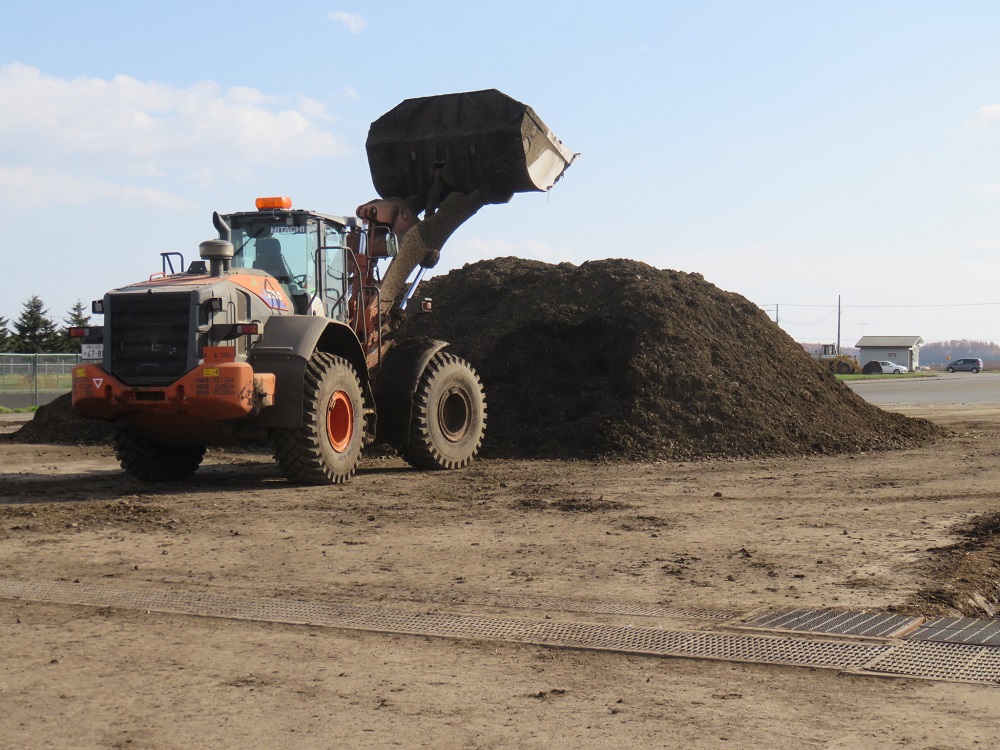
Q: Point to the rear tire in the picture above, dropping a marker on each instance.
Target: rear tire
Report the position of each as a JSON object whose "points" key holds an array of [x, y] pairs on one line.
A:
{"points": [[150, 461], [449, 415], [327, 447], [975, 369]]}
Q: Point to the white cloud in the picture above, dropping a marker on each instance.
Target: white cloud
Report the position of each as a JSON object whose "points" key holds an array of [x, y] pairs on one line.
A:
{"points": [[354, 22], [988, 116], [88, 139], [131, 124], [30, 188], [989, 113]]}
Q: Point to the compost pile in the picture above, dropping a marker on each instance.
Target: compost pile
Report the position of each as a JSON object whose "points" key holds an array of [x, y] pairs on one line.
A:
{"points": [[617, 359], [57, 422]]}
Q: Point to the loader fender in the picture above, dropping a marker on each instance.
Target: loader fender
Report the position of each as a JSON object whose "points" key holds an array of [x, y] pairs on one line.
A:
{"points": [[284, 349], [397, 380]]}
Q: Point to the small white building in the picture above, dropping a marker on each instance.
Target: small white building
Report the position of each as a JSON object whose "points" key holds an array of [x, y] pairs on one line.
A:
{"points": [[902, 350]]}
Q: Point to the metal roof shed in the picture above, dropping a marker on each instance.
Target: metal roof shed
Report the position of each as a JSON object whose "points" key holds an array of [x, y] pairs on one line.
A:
{"points": [[903, 350]]}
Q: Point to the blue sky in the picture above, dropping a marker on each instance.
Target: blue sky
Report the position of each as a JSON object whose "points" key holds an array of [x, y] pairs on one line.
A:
{"points": [[788, 151]]}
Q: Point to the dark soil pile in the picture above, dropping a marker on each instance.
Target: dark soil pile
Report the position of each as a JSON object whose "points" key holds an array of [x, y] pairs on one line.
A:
{"points": [[57, 423], [617, 359], [966, 575]]}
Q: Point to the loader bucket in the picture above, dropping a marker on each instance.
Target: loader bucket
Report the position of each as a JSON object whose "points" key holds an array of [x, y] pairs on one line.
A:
{"points": [[480, 140]]}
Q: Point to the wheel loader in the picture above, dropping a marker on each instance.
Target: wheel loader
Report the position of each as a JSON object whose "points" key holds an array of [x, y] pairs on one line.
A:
{"points": [[839, 364], [285, 329]]}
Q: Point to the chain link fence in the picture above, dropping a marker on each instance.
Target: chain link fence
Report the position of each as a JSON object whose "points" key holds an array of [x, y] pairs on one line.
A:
{"points": [[35, 379]]}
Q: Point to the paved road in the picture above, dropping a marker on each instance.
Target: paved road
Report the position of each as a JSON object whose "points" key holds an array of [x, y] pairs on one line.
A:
{"points": [[956, 388]]}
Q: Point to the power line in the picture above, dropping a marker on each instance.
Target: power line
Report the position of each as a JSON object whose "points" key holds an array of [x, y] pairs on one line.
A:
{"points": [[869, 307]]}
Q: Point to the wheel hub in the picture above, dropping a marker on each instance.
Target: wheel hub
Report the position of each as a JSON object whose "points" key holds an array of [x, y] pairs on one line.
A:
{"points": [[340, 421], [454, 414]]}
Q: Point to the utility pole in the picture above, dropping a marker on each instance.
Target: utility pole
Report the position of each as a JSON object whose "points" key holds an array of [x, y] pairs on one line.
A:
{"points": [[838, 325]]}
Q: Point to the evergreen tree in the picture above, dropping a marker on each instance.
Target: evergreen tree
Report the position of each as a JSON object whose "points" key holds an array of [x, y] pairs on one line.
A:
{"points": [[75, 318], [4, 335], [34, 331]]}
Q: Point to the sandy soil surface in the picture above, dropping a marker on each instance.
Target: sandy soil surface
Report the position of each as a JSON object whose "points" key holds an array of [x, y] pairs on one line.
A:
{"points": [[852, 531]]}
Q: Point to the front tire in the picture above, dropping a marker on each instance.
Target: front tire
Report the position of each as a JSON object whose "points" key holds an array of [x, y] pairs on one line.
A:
{"points": [[149, 461], [327, 447], [449, 415], [951, 369]]}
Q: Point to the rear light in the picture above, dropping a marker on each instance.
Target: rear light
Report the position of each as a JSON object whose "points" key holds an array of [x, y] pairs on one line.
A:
{"points": [[278, 201], [230, 331], [79, 332]]}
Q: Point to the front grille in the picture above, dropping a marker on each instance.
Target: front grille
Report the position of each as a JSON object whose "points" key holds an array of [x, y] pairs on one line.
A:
{"points": [[150, 337]]}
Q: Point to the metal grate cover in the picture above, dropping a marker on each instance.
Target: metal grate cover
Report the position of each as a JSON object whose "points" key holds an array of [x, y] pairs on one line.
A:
{"points": [[959, 630], [912, 658], [864, 623], [594, 607], [945, 661], [651, 641], [765, 650]]}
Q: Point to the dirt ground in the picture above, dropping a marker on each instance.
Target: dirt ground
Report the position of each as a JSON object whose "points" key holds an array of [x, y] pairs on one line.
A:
{"points": [[855, 530]]}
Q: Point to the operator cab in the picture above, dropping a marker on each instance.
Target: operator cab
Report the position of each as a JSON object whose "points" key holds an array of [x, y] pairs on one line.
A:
{"points": [[306, 252]]}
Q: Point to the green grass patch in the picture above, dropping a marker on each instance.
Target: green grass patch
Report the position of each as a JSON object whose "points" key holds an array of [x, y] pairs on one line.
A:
{"points": [[893, 377], [21, 383], [25, 410]]}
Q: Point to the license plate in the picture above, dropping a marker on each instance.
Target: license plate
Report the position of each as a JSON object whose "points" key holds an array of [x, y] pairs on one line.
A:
{"points": [[92, 352]]}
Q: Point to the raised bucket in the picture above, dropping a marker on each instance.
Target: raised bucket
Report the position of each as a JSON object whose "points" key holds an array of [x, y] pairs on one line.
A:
{"points": [[480, 140]]}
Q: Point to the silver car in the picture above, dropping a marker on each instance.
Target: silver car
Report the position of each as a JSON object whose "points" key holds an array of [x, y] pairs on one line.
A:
{"points": [[966, 364]]}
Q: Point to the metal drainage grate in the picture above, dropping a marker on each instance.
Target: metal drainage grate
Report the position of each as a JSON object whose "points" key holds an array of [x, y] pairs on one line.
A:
{"points": [[651, 641], [926, 659], [945, 661], [763, 650], [959, 630], [865, 623], [599, 608]]}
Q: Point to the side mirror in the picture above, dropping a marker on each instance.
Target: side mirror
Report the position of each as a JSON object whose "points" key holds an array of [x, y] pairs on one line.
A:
{"points": [[391, 244]]}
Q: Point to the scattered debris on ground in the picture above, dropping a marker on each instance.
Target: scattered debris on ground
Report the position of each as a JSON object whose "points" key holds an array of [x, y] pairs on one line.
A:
{"points": [[965, 575], [131, 512]]}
